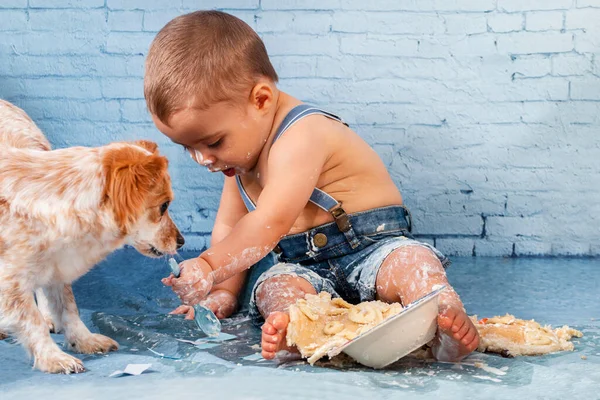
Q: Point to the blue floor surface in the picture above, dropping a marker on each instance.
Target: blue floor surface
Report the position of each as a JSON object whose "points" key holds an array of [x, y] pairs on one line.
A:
{"points": [[123, 298]]}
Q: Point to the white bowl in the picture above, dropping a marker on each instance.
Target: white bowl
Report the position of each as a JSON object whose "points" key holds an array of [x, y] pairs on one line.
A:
{"points": [[397, 336]]}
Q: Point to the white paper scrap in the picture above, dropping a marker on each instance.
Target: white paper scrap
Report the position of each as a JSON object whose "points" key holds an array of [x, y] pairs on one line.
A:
{"points": [[132, 369]]}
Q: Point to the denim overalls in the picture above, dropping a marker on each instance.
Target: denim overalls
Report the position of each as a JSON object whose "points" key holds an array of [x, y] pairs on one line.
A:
{"points": [[340, 257]]}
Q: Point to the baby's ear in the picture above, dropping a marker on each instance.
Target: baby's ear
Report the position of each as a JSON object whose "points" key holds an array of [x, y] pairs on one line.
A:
{"points": [[148, 145], [130, 175]]}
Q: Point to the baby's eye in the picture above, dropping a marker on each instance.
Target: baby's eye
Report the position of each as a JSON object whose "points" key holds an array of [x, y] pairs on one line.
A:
{"points": [[216, 144], [164, 207]]}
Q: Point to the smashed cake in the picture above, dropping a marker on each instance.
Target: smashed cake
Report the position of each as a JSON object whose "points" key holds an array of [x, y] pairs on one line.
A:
{"points": [[510, 336], [319, 324]]}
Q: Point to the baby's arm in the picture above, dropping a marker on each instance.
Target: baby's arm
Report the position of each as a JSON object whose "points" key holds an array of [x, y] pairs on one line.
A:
{"points": [[223, 297], [294, 166]]}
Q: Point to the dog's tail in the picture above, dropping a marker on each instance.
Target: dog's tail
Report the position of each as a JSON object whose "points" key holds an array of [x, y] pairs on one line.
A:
{"points": [[18, 130]]}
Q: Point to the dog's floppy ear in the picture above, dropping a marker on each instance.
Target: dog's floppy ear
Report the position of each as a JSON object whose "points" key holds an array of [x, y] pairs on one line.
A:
{"points": [[148, 145], [130, 176]]}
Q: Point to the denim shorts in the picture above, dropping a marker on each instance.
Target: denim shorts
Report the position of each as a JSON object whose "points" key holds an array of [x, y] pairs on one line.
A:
{"points": [[324, 257]]}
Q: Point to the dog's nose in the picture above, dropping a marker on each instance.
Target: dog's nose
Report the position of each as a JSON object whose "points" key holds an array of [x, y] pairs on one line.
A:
{"points": [[180, 240]]}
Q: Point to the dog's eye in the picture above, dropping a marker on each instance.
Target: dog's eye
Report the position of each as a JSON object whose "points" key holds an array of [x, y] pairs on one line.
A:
{"points": [[163, 207]]}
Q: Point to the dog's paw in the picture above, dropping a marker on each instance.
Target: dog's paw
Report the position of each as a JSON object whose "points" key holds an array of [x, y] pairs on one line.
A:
{"points": [[50, 323], [94, 343], [58, 362]]}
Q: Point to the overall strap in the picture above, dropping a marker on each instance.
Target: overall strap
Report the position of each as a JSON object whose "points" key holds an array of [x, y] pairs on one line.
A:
{"points": [[318, 197]]}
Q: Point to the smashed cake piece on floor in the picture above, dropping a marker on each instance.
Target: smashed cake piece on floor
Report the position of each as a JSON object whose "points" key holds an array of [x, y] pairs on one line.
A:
{"points": [[510, 336], [319, 324]]}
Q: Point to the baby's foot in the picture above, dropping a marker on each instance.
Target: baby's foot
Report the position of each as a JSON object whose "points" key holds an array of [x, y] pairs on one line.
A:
{"points": [[457, 337], [273, 335]]}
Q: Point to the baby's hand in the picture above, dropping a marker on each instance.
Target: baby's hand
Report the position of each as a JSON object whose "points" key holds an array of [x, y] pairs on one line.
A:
{"points": [[194, 282], [220, 302]]}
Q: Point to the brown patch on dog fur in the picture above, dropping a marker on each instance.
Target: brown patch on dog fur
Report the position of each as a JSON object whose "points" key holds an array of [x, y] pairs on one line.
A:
{"points": [[148, 145], [130, 176]]}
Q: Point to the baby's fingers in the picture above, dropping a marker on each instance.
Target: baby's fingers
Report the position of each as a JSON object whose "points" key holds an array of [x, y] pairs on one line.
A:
{"points": [[183, 309], [168, 281]]}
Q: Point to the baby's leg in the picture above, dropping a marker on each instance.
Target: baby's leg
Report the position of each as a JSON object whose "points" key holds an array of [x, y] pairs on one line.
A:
{"points": [[412, 271], [273, 299]]}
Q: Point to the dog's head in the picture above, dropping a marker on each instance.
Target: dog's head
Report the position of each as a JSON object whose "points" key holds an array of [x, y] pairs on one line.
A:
{"points": [[138, 191]]}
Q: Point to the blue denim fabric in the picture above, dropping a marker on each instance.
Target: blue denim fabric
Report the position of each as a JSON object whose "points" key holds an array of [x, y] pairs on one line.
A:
{"points": [[336, 267]]}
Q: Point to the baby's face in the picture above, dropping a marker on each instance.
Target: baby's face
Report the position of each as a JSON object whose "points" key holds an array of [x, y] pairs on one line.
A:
{"points": [[224, 137]]}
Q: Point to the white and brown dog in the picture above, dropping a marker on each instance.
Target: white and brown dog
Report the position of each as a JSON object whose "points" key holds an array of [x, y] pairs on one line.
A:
{"points": [[61, 212]]}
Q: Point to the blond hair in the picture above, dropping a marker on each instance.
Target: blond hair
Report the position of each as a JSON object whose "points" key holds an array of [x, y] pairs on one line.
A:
{"points": [[203, 57]]}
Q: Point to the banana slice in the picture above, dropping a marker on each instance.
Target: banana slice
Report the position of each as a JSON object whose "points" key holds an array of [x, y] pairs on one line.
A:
{"points": [[306, 310], [363, 314], [339, 302], [333, 327], [336, 311]]}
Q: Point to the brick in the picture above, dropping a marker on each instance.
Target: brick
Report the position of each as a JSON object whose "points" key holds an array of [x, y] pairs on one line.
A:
{"points": [[566, 247], [389, 23], [128, 43], [588, 3], [300, 4], [68, 20], [465, 24], [493, 248], [503, 23], [544, 20], [571, 64], [535, 66], [125, 21], [596, 65], [455, 247], [532, 247], [444, 225], [295, 66], [298, 21], [457, 46], [461, 200], [59, 109], [487, 113], [535, 42], [557, 114], [528, 90], [370, 91], [13, 4], [382, 135], [420, 5], [123, 88], [378, 46], [582, 19], [397, 115], [587, 41], [386, 153], [533, 5], [141, 4], [135, 111], [517, 226], [61, 88], [223, 4], [53, 43], [291, 44], [156, 20], [370, 67], [13, 20], [585, 89], [66, 3]]}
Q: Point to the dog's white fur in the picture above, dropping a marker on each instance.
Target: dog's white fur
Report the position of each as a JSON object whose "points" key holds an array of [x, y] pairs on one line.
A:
{"points": [[61, 212]]}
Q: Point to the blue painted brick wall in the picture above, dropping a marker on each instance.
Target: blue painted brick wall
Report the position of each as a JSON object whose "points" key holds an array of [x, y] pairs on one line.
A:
{"points": [[487, 112]]}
